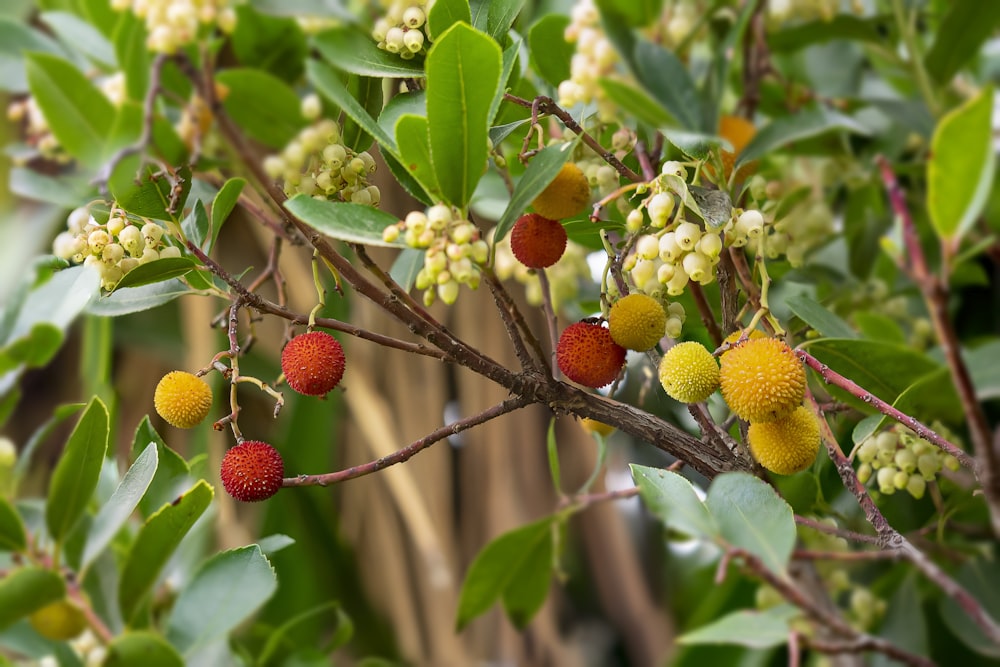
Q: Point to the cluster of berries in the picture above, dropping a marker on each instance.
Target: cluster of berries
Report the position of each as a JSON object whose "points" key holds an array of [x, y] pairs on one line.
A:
{"points": [[113, 248], [317, 163], [312, 363], [402, 30], [900, 460], [173, 24], [455, 250], [874, 296], [763, 382], [595, 58]]}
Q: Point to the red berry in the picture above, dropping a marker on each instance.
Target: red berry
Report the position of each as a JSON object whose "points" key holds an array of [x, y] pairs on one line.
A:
{"points": [[587, 354], [313, 363], [537, 242], [252, 471]]}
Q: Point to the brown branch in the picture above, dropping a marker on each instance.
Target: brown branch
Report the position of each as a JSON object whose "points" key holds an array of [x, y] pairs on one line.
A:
{"points": [[517, 328]]}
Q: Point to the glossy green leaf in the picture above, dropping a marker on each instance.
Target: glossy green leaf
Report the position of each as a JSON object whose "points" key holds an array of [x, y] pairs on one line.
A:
{"points": [[275, 45], [172, 475], [141, 648], [840, 26], [368, 92], [328, 83], [156, 271], [961, 166], [673, 500], [495, 17], [413, 140], [71, 29], [223, 204], [695, 145], [540, 172], [353, 50], [764, 629], [821, 319], [445, 13], [63, 190], [498, 565], [353, 223], [263, 105], [406, 267], [638, 103], [152, 195], [58, 301], [16, 40], [413, 102], [12, 535], [26, 589], [274, 543], [75, 476], [964, 28], [549, 51], [59, 415], [463, 72], [526, 592], [802, 125], [635, 12], [128, 300], [509, 73], [273, 651], [196, 225], [753, 517], [114, 513], [133, 57], [34, 350], [156, 541], [79, 115], [668, 81], [878, 326], [981, 575], [223, 593]]}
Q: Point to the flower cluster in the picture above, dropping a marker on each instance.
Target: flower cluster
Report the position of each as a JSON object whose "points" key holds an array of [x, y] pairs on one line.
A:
{"points": [[900, 460], [564, 276], [780, 12], [594, 59], [113, 248], [402, 29], [317, 163], [455, 250], [173, 24]]}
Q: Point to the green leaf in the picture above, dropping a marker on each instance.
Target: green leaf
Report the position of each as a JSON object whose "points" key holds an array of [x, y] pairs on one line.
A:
{"points": [[128, 300], [277, 639], [334, 9], [495, 17], [637, 13], [75, 476], [445, 13], [196, 225], [26, 589], [274, 543], [368, 92], [463, 72], [960, 168], [983, 576], [223, 593], [83, 36], [16, 40], [877, 326], [133, 57], [151, 196], [782, 131], [328, 83], [413, 140], [753, 517], [12, 535], [673, 500], [695, 145], [540, 172], [526, 592], [498, 565], [354, 223], [172, 475], [638, 103], [79, 115], [263, 105], [753, 629], [840, 26], [548, 49], [223, 205], [113, 514], [60, 414], [63, 190], [354, 51], [156, 271], [406, 267], [156, 541], [141, 648], [34, 350], [552, 446], [817, 316], [964, 28], [668, 81], [275, 45]]}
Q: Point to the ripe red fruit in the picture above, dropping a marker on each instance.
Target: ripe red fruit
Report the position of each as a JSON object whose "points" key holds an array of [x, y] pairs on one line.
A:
{"points": [[587, 354], [252, 471], [313, 363], [537, 242]]}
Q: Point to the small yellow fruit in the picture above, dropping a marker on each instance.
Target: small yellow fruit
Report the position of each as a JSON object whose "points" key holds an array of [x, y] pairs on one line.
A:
{"points": [[689, 372], [182, 399], [593, 426], [567, 195], [60, 621], [787, 445], [762, 380], [637, 322]]}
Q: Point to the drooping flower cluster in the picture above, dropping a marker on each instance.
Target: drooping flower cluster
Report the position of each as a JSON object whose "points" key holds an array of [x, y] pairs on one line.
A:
{"points": [[900, 460], [455, 250], [173, 24], [402, 29], [113, 248], [317, 163], [594, 59]]}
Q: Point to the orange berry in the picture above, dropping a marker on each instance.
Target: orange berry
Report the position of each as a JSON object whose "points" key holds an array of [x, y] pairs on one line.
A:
{"points": [[587, 355], [787, 445], [313, 363], [762, 379], [252, 471], [567, 195], [537, 242]]}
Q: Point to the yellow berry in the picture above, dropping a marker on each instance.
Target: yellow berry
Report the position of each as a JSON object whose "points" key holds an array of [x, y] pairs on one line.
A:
{"points": [[637, 322], [61, 620], [689, 372], [787, 445], [182, 399], [762, 380], [593, 426], [735, 336], [567, 195]]}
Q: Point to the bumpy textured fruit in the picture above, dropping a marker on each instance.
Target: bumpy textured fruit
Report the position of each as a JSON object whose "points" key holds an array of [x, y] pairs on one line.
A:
{"points": [[252, 471], [787, 445], [762, 380], [735, 336], [739, 131], [182, 399], [689, 372], [536, 241], [567, 195], [637, 322], [593, 426], [587, 355], [313, 363], [59, 621]]}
